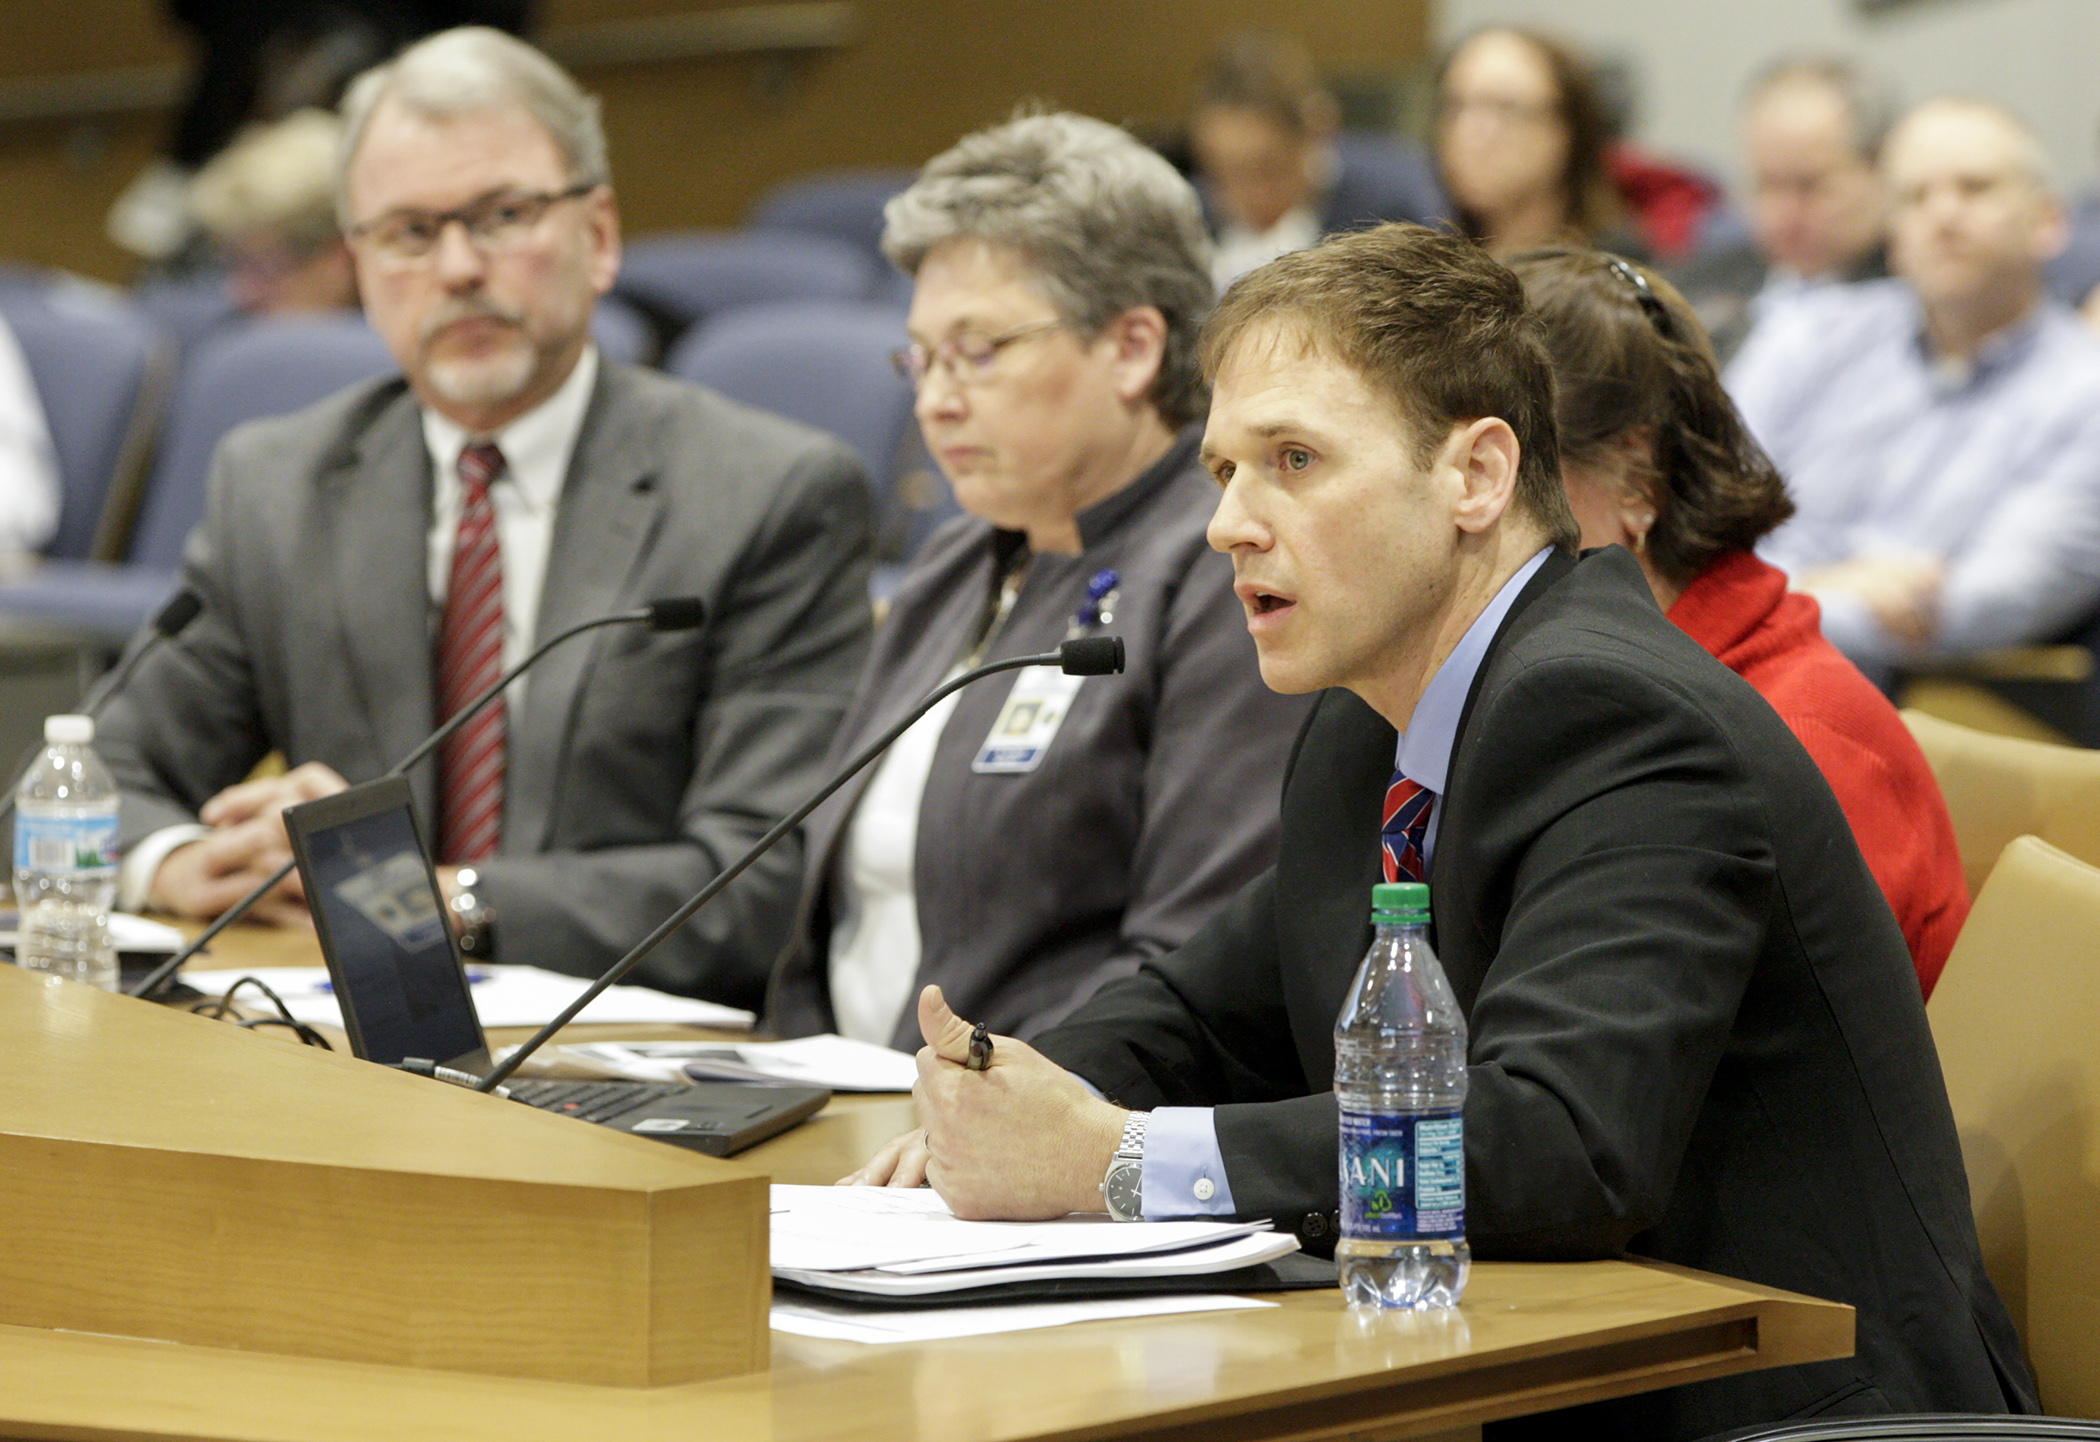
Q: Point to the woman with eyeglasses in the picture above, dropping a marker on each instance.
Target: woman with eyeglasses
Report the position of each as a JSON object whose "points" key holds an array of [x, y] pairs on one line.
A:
{"points": [[1656, 459], [1521, 141], [1037, 835]]}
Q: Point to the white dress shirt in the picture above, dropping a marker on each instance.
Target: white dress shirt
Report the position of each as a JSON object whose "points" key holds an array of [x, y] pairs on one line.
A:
{"points": [[29, 491], [536, 447]]}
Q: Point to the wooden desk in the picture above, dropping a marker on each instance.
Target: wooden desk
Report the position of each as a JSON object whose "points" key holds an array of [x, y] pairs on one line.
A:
{"points": [[1529, 1337]]}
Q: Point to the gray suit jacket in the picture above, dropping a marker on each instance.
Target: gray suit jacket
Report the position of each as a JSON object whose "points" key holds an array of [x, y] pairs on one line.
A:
{"points": [[639, 764]]}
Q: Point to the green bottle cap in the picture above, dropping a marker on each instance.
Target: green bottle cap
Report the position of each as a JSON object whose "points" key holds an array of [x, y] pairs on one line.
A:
{"points": [[1405, 899]]}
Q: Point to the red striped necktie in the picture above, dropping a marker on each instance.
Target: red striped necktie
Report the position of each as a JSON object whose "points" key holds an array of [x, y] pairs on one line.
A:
{"points": [[469, 660], [1407, 807]]}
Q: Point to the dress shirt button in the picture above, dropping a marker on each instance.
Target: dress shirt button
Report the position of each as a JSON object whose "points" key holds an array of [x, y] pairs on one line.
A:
{"points": [[1205, 1189], [1314, 1225]]}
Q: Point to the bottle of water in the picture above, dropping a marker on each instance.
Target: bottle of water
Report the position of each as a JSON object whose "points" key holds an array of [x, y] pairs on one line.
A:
{"points": [[1400, 1079], [66, 857]]}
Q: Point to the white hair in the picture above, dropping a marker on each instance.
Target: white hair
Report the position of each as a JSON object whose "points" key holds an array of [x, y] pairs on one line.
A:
{"points": [[467, 70]]}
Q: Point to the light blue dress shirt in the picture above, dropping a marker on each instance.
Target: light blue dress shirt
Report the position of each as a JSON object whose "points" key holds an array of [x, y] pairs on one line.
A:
{"points": [[1991, 468], [1184, 1173]]}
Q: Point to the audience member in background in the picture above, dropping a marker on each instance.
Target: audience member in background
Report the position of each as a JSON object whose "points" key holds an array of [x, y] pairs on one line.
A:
{"points": [[29, 488], [257, 61], [268, 203], [1521, 136], [1813, 128], [370, 564], [1061, 278], [1275, 179], [1655, 459], [1940, 432]]}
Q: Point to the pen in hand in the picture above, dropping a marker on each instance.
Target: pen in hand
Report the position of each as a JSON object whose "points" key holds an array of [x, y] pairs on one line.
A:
{"points": [[980, 1048]]}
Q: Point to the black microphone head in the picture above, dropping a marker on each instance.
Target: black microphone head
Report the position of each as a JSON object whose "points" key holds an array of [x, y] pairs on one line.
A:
{"points": [[676, 613], [182, 608], [1091, 656]]}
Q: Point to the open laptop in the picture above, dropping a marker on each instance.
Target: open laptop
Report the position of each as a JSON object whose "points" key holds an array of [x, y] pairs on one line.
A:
{"points": [[404, 994]]}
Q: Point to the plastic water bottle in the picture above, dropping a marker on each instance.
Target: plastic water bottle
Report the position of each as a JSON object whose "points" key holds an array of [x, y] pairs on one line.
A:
{"points": [[66, 857], [1400, 1078]]}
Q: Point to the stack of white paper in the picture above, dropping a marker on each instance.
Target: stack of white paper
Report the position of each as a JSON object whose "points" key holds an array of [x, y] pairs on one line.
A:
{"points": [[837, 1062], [808, 1317], [503, 996], [898, 1242]]}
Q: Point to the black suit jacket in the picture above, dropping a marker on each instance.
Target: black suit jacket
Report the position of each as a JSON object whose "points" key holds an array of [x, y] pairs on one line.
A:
{"points": [[1695, 1033]]}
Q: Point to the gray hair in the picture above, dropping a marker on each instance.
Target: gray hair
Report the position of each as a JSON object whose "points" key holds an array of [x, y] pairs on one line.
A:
{"points": [[1107, 224], [466, 70], [1871, 100]]}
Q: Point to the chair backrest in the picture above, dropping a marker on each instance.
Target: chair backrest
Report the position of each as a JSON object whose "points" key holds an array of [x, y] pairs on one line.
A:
{"points": [[2013, 1016], [101, 371], [260, 368], [686, 278], [843, 204], [1999, 787], [824, 365]]}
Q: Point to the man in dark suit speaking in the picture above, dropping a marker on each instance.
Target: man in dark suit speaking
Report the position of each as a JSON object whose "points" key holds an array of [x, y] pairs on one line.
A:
{"points": [[1695, 1034], [370, 564]]}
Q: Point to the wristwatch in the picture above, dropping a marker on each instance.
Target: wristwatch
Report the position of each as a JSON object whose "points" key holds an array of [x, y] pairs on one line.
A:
{"points": [[1123, 1187], [473, 920]]}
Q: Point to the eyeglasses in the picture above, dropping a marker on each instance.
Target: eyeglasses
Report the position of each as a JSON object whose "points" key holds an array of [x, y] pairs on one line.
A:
{"points": [[966, 357], [1498, 110], [494, 223], [1651, 303]]}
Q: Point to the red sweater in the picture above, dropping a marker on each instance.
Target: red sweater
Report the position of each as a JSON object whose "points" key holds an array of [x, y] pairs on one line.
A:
{"points": [[1739, 609]]}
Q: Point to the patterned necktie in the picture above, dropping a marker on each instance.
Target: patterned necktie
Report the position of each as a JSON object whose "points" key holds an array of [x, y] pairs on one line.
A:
{"points": [[1407, 807], [469, 659]]}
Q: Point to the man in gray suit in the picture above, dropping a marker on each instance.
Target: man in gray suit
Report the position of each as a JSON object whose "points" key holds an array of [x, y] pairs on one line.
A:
{"points": [[369, 564]]}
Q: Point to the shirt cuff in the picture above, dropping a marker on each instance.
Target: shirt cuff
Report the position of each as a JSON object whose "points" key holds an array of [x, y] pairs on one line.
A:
{"points": [[142, 863], [1184, 1172]]}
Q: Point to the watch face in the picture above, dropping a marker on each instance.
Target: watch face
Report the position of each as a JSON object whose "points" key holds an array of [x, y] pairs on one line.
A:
{"points": [[1124, 1190]]}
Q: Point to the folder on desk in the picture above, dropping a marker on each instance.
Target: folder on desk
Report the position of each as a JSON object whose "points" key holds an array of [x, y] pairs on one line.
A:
{"points": [[903, 1247]]}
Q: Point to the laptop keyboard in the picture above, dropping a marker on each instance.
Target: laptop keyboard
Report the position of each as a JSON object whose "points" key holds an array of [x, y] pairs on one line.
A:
{"points": [[593, 1101]]}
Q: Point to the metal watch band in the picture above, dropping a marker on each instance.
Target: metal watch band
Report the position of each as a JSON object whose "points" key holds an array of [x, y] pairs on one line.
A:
{"points": [[1133, 1143]]}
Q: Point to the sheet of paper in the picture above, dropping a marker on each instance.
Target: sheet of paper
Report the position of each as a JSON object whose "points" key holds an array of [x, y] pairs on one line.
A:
{"points": [[127, 932], [1225, 1256], [503, 996], [825, 1061], [844, 1229], [808, 1317]]}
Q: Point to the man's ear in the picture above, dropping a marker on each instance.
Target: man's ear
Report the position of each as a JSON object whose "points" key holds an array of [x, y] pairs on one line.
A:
{"points": [[1484, 454]]}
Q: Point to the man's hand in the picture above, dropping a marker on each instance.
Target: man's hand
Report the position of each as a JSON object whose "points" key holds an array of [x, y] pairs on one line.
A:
{"points": [[1902, 592], [1022, 1140], [247, 843], [269, 795]]}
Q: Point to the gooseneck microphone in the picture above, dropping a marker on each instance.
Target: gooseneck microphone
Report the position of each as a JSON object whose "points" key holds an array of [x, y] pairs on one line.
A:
{"points": [[675, 613], [1087, 656], [169, 622]]}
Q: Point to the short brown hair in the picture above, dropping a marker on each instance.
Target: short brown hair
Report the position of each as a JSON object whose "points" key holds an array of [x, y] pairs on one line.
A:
{"points": [[1426, 318], [1628, 351], [1272, 75]]}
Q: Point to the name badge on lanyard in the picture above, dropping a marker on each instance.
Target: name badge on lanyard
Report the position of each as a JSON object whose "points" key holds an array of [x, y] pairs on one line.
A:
{"points": [[1028, 722]]}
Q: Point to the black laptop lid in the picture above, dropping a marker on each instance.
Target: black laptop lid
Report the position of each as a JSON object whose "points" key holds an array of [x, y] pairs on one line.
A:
{"points": [[380, 915]]}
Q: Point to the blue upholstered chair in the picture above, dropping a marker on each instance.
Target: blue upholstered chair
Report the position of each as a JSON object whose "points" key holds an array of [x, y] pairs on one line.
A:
{"points": [[827, 365], [683, 279]]}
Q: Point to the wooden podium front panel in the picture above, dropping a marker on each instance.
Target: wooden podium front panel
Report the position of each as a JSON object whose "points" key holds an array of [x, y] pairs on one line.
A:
{"points": [[169, 1177]]}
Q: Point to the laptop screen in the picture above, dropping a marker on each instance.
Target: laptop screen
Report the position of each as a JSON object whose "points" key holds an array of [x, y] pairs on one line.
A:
{"points": [[376, 905]]}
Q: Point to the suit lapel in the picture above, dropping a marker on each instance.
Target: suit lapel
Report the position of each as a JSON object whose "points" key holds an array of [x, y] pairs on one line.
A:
{"points": [[610, 507], [380, 498]]}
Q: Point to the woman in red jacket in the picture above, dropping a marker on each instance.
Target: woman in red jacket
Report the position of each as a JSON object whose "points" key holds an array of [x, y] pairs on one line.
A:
{"points": [[1655, 459]]}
